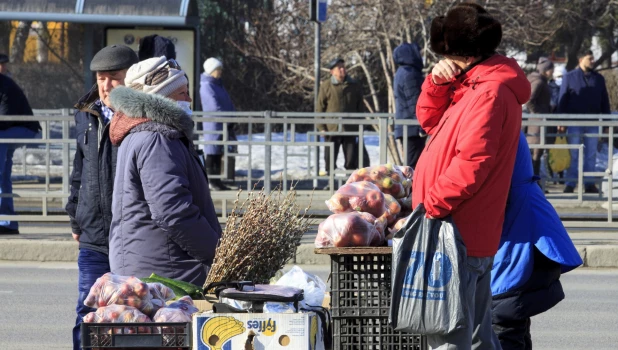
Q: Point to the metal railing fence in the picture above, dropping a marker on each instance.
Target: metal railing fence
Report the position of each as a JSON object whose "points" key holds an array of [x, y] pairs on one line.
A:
{"points": [[56, 147]]}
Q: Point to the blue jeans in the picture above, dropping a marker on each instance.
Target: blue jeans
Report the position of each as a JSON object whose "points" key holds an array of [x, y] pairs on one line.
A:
{"points": [[574, 136], [479, 335], [6, 165], [91, 265]]}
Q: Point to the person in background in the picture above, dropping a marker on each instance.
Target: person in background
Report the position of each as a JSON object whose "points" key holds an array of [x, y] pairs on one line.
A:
{"points": [[554, 87], [13, 101], [583, 91], [553, 131], [215, 99], [407, 88], [4, 65], [535, 249], [90, 203], [156, 46], [471, 107], [164, 220], [540, 103], [341, 94]]}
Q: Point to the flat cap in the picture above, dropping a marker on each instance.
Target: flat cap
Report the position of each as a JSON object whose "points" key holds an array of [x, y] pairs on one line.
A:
{"points": [[334, 62], [4, 58], [114, 57]]}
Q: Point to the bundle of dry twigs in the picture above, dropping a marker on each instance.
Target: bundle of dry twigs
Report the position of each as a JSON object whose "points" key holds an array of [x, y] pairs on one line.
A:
{"points": [[260, 236]]}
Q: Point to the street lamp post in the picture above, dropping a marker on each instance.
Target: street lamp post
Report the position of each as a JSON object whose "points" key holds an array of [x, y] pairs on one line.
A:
{"points": [[317, 14]]}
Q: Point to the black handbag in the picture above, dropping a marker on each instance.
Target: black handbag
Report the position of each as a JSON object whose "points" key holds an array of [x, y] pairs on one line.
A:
{"points": [[256, 295]]}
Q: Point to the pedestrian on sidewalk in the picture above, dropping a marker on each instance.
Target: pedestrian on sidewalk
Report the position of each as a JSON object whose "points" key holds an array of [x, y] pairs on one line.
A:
{"points": [[90, 204], [583, 91], [160, 177], [341, 94], [215, 99], [13, 101], [407, 87], [471, 107], [540, 103], [535, 249]]}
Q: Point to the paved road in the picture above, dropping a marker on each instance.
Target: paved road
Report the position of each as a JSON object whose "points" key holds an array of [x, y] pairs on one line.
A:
{"points": [[36, 309]]}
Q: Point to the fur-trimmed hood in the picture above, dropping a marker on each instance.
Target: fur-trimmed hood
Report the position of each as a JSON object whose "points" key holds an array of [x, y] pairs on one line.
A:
{"points": [[132, 104]]}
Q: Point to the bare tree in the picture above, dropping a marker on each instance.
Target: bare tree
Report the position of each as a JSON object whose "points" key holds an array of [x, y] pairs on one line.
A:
{"points": [[43, 39], [5, 35], [75, 44], [19, 42]]}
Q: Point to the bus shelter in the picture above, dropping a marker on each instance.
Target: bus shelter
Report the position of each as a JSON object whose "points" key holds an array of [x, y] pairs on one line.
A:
{"points": [[125, 22]]}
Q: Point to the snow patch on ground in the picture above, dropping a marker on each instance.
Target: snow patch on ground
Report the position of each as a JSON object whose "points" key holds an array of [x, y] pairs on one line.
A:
{"points": [[300, 161]]}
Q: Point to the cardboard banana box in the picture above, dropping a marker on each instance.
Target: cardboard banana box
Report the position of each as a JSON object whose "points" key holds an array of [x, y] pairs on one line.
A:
{"points": [[293, 331]]}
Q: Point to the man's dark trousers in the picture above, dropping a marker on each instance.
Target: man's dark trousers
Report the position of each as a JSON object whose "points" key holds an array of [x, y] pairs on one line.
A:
{"points": [[91, 265], [350, 152]]}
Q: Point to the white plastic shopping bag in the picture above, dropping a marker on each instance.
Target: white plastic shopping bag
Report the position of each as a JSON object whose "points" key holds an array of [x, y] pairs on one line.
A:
{"points": [[428, 261]]}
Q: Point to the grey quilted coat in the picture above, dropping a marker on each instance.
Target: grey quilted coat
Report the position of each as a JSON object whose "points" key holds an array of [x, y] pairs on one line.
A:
{"points": [[163, 218]]}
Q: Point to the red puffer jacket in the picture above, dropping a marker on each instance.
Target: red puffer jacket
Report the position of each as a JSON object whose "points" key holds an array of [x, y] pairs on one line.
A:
{"points": [[466, 167]]}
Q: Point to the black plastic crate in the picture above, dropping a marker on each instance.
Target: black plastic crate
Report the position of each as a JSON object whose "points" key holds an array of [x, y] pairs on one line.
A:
{"points": [[361, 285], [136, 335], [372, 334]]}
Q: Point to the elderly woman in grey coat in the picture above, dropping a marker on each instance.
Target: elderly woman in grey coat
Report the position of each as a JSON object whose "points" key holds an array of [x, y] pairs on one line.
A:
{"points": [[164, 220]]}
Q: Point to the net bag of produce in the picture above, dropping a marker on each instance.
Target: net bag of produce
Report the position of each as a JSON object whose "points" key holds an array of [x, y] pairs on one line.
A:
{"points": [[119, 314], [407, 171], [361, 196], [160, 294], [397, 225], [393, 208], [111, 289], [406, 203], [387, 177], [351, 230], [179, 311]]}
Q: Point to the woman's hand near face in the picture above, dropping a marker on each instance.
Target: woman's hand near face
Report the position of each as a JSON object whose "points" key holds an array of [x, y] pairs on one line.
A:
{"points": [[444, 72]]}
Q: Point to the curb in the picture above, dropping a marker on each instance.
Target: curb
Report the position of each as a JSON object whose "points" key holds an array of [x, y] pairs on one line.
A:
{"points": [[599, 255], [38, 250], [306, 256], [593, 256]]}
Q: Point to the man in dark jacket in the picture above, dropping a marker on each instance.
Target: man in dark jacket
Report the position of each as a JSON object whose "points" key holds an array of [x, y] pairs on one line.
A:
{"points": [[583, 91], [89, 205], [407, 87], [12, 102], [341, 94], [540, 103]]}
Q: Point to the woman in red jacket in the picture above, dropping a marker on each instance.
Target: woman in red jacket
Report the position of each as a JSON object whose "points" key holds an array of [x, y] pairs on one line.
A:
{"points": [[471, 108]]}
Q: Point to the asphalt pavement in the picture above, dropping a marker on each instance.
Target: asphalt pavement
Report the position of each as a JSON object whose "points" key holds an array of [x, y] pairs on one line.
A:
{"points": [[38, 303]]}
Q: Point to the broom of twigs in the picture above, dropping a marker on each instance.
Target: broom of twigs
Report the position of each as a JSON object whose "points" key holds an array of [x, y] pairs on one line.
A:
{"points": [[260, 236]]}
